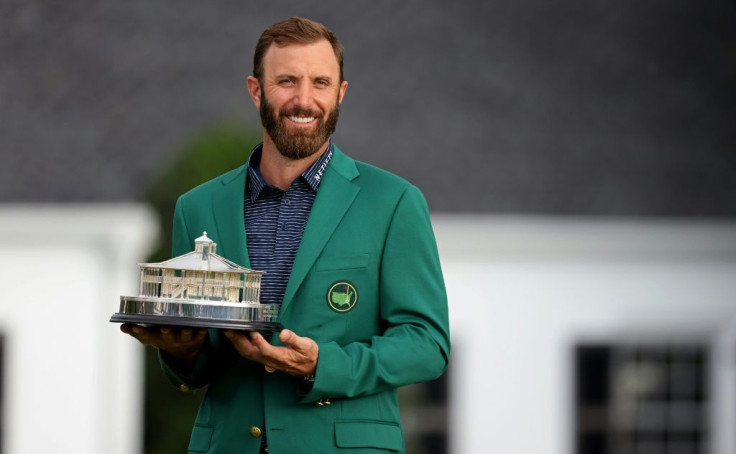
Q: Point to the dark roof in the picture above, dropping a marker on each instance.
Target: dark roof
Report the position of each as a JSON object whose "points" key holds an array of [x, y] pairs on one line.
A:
{"points": [[504, 106]]}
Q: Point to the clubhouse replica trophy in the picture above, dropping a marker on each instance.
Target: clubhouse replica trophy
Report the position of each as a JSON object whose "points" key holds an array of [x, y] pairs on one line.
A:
{"points": [[199, 289]]}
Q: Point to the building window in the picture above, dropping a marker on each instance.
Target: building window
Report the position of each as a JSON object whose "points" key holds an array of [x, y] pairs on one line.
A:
{"points": [[641, 399], [424, 416]]}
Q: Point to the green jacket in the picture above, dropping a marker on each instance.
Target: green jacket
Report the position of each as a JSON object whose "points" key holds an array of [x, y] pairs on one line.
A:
{"points": [[370, 229]]}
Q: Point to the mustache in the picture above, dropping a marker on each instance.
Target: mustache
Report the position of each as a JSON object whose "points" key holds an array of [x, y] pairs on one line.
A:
{"points": [[300, 112]]}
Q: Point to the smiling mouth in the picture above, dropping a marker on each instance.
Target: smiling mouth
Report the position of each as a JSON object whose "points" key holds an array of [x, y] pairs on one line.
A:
{"points": [[301, 120]]}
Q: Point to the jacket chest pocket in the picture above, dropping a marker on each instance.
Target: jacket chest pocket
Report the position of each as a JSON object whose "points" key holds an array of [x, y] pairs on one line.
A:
{"points": [[337, 288], [341, 263]]}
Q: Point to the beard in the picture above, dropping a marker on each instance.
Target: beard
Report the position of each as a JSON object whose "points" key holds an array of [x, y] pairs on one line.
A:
{"points": [[297, 143]]}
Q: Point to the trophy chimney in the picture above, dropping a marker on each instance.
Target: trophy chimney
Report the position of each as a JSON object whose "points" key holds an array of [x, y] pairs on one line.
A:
{"points": [[204, 246]]}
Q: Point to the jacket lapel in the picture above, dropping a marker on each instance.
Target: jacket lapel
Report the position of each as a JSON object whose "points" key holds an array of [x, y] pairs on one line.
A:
{"points": [[227, 205], [335, 195]]}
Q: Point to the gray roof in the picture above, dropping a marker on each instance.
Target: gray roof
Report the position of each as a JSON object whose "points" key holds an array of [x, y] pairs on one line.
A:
{"points": [[504, 106]]}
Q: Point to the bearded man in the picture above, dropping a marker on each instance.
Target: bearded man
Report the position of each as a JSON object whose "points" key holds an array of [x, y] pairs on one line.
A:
{"points": [[349, 255]]}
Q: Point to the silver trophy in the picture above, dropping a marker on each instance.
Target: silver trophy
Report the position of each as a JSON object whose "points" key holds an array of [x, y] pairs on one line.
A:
{"points": [[200, 289]]}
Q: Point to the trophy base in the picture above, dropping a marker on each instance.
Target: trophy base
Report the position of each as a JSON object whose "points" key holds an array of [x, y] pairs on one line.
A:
{"points": [[198, 314], [163, 320]]}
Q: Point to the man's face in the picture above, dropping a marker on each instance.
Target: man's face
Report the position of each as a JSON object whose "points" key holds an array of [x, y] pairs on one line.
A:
{"points": [[299, 97], [298, 143]]}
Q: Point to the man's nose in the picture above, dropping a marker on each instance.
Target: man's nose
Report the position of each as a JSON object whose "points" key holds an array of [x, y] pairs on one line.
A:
{"points": [[303, 97]]}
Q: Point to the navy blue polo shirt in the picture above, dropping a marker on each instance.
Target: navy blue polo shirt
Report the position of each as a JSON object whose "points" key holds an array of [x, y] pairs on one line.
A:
{"points": [[275, 221]]}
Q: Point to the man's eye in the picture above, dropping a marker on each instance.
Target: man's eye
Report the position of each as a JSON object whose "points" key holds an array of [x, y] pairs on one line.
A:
{"points": [[287, 82], [321, 83]]}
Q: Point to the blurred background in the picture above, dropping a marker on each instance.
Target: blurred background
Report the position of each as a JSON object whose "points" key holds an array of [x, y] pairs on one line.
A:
{"points": [[578, 160]]}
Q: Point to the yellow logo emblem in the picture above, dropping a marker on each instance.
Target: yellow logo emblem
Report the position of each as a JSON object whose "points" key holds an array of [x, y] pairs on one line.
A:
{"points": [[342, 296]]}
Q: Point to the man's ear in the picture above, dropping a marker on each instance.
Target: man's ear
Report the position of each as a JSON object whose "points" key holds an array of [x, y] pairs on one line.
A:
{"points": [[343, 89], [254, 90]]}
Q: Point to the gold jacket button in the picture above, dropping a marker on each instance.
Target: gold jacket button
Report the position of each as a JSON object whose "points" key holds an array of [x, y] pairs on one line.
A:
{"points": [[184, 388], [256, 431], [270, 369]]}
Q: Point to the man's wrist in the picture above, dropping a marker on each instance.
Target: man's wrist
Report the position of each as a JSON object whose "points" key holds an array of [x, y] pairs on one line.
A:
{"points": [[306, 383]]}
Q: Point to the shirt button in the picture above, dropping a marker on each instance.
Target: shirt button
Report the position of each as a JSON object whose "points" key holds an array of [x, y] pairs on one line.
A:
{"points": [[270, 369], [287, 202], [184, 388], [255, 431]]}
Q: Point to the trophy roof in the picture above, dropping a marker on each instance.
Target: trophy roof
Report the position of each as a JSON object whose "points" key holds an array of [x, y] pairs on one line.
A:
{"points": [[202, 258], [193, 261], [204, 239]]}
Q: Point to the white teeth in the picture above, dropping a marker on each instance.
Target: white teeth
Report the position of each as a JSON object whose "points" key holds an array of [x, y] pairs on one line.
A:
{"points": [[301, 119]]}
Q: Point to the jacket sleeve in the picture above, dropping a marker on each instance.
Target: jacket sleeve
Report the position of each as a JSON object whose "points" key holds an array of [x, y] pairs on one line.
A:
{"points": [[414, 345], [195, 374]]}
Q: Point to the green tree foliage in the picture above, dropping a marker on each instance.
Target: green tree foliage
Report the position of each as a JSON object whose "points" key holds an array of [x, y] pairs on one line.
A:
{"points": [[209, 154], [169, 413]]}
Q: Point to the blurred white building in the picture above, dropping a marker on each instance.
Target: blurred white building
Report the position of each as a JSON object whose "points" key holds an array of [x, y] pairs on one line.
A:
{"points": [[530, 297], [529, 294], [71, 382]]}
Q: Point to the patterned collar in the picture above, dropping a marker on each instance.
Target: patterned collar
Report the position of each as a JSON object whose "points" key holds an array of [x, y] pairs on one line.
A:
{"points": [[312, 176]]}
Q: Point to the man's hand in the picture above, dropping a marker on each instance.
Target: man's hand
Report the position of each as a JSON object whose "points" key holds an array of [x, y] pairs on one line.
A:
{"points": [[181, 344], [298, 357]]}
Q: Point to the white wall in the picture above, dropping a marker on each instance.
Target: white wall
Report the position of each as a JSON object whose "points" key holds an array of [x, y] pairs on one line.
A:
{"points": [[72, 382], [523, 291]]}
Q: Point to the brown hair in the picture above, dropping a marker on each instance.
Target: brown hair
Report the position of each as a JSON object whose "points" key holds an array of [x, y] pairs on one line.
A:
{"points": [[294, 30]]}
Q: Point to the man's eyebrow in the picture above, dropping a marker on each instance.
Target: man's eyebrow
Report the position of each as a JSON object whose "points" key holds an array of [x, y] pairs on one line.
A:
{"points": [[290, 74]]}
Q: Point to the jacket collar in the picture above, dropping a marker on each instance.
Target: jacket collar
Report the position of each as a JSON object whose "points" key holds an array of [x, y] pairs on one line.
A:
{"points": [[336, 193], [312, 175], [227, 206], [335, 196]]}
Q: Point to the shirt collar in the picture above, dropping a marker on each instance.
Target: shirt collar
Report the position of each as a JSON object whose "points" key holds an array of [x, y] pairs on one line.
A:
{"points": [[312, 176]]}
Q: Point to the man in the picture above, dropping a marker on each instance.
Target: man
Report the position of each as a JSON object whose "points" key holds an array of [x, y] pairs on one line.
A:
{"points": [[350, 256]]}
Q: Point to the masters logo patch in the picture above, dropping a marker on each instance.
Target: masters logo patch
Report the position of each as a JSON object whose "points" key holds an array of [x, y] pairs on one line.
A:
{"points": [[342, 296]]}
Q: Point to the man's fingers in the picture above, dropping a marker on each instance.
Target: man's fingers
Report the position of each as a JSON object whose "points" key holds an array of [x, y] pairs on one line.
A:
{"points": [[286, 336], [297, 357], [129, 328], [168, 335], [133, 330], [183, 344], [297, 343], [258, 340], [186, 334], [267, 350], [242, 344]]}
